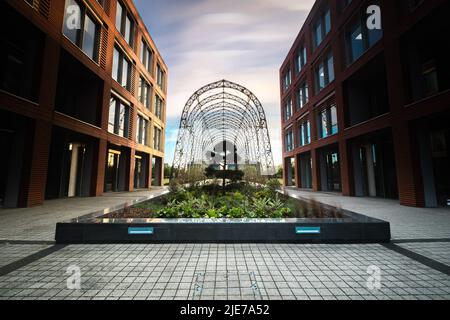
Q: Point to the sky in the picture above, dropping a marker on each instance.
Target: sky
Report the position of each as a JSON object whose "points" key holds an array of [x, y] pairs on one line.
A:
{"points": [[243, 41]]}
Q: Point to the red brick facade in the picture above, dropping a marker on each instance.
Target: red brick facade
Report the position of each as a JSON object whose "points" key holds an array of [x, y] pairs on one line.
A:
{"points": [[47, 17], [399, 120]]}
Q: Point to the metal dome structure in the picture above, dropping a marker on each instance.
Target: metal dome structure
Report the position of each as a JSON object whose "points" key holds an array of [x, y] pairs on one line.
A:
{"points": [[223, 124]]}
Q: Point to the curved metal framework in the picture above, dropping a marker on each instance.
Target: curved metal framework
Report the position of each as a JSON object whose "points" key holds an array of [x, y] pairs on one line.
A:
{"points": [[223, 112]]}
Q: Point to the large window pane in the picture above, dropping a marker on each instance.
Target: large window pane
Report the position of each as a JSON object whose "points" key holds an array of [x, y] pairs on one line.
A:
{"points": [[334, 121], [374, 36], [119, 14], [128, 33], [71, 25], [125, 69], [356, 42], [89, 37], [112, 115], [324, 124], [327, 22], [116, 62], [321, 75], [330, 67], [318, 34], [122, 121]]}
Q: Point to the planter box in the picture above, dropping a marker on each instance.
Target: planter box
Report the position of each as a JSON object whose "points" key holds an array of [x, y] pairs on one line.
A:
{"points": [[353, 228]]}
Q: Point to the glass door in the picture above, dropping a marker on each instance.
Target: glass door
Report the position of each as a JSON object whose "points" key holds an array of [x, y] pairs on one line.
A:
{"points": [[112, 171], [333, 172], [138, 171]]}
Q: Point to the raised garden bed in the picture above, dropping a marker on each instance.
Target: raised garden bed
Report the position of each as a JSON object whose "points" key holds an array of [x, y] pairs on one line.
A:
{"points": [[145, 222]]}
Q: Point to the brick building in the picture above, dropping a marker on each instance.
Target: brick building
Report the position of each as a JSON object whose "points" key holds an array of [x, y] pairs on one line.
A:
{"points": [[82, 100], [366, 105]]}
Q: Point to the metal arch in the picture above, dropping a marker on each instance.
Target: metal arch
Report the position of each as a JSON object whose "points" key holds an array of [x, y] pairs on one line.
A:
{"points": [[223, 111]]}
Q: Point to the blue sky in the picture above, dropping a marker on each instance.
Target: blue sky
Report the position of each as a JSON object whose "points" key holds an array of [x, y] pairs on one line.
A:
{"points": [[244, 41]]}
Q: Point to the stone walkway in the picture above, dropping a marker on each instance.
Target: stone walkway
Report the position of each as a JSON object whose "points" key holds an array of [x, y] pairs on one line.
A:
{"points": [[415, 266], [406, 222], [39, 223]]}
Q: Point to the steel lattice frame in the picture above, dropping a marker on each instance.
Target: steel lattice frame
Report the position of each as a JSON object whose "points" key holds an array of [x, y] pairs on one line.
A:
{"points": [[223, 111]]}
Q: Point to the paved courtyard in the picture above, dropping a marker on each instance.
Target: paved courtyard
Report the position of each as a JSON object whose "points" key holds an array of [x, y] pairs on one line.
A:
{"points": [[415, 266]]}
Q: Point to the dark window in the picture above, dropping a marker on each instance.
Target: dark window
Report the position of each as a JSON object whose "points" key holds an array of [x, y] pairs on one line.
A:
{"points": [[304, 132], [287, 79], [424, 52], [300, 60], [324, 72], [20, 55], [288, 111], [302, 95], [321, 27], [289, 140], [78, 92], [359, 38]]}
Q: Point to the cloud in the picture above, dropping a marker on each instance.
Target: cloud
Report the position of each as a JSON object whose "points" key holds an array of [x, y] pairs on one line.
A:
{"points": [[207, 40]]}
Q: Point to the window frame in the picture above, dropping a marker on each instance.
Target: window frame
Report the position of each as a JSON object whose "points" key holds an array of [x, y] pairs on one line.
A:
{"points": [[80, 33], [119, 103], [125, 14], [324, 63], [321, 21], [122, 57]]}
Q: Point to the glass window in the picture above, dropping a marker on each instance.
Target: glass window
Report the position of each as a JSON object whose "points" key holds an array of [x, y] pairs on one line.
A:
{"points": [[327, 21], [328, 122], [124, 23], [287, 80], [289, 141], [324, 124], [128, 33], [305, 133], [322, 27], [324, 73], [82, 30], [119, 13], [160, 77], [146, 56], [142, 128], [356, 42], [157, 139], [112, 115], [158, 106], [89, 38], [125, 71], [302, 96], [318, 34], [116, 60], [334, 121], [301, 60], [288, 110], [330, 68], [359, 38], [374, 36], [321, 76], [122, 120], [121, 69], [71, 26], [118, 118]]}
